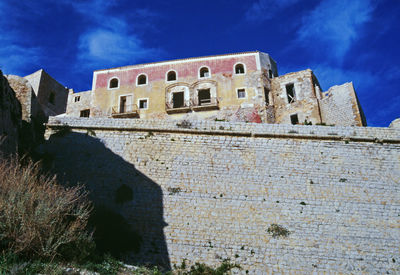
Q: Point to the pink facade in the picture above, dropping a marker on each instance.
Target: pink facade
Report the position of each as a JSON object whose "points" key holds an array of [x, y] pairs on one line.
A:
{"points": [[184, 70]]}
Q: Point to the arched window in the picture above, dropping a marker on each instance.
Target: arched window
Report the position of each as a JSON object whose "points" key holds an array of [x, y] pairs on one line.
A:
{"points": [[142, 79], [114, 83], [239, 68], [204, 72], [171, 76]]}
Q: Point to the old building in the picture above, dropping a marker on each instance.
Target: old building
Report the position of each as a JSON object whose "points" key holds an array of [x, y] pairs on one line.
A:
{"points": [[233, 87], [51, 95]]}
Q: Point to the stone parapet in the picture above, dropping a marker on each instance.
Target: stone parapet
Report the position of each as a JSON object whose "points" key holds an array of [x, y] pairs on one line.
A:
{"points": [[367, 134]]}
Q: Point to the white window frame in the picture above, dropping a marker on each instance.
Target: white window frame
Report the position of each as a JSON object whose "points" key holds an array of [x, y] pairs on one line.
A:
{"points": [[138, 103], [244, 67], [119, 100], [171, 81], [245, 93], [109, 82], [137, 79], [204, 77]]}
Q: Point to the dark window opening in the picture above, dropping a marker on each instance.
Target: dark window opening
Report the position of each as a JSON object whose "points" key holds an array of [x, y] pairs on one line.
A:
{"points": [[171, 76], [143, 104], [142, 80], [178, 100], [85, 113], [294, 119], [239, 69], [77, 98], [270, 73], [290, 92], [114, 83], [204, 72], [266, 93], [241, 93], [204, 96], [122, 104], [52, 97]]}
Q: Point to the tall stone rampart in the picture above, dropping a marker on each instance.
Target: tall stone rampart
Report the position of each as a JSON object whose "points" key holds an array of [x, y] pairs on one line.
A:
{"points": [[205, 191]]}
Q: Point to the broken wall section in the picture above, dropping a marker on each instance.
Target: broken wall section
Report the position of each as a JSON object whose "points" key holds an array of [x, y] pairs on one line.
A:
{"points": [[78, 104], [50, 93], [294, 94], [340, 106], [31, 129]]}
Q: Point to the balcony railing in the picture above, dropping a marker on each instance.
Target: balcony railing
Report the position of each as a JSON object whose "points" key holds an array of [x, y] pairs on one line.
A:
{"points": [[202, 105], [206, 104], [172, 108], [125, 111]]}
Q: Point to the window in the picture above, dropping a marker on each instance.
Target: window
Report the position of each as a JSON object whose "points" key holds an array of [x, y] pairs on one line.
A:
{"points": [[239, 69], [266, 93], [85, 113], [52, 97], [204, 96], [143, 104], [241, 93], [270, 73], [171, 76], [294, 119], [142, 79], [77, 98], [290, 92], [204, 72], [114, 83], [178, 100]]}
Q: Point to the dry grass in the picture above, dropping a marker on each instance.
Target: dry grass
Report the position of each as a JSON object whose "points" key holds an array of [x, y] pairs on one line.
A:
{"points": [[38, 217]]}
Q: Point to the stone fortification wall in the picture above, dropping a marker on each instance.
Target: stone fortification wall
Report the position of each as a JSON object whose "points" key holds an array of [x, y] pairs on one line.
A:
{"points": [[10, 117], [206, 190]]}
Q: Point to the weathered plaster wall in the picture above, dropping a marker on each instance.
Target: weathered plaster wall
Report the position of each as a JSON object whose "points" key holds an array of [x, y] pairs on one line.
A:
{"points": [[222, 73], [78, 102], [339, 106], [211, 191]]}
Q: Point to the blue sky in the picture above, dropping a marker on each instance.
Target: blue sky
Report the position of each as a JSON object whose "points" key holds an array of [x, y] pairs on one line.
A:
{"points": [[340, 40]]}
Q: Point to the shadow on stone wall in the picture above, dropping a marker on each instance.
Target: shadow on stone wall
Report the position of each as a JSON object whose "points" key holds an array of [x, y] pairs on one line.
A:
{"points": [[128, 212]]}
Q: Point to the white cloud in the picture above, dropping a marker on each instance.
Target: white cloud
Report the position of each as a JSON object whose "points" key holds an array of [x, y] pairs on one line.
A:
{"points": [[262, 10], [110, 41], [106, 47], [335, 25]]}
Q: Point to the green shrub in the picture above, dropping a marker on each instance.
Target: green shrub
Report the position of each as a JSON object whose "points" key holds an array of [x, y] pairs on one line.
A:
{"points": [[40, 219], [202, 269]]}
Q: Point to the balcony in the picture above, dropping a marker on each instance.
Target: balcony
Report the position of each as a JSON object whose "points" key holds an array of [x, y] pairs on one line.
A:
{"points": [[173, 108], [125, 111], [206, 104]]}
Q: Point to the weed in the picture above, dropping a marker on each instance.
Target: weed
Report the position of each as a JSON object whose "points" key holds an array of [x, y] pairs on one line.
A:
{"points": [[278, 231], [174, 190], [90, 132], [342, 180], [40, 218], [303, 203], [184, 124], [293, 132], [221, 127]]}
